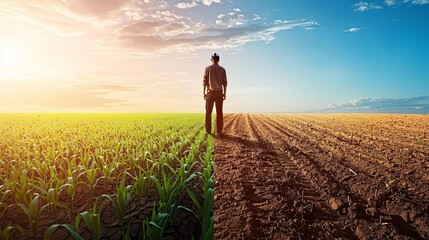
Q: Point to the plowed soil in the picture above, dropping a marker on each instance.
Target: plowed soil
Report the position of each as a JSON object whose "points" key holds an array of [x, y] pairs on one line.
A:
{"points": [[344, 176]]}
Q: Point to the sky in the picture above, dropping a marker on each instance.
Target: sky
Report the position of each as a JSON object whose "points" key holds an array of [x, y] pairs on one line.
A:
{"points": [[149, 56]]}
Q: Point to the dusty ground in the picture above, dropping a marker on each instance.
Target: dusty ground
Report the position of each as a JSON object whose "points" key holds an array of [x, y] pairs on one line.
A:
{"points": [[322, 177]]}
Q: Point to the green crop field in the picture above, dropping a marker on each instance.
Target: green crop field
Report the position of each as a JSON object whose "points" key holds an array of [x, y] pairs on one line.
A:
{"points": [[115, 176]]}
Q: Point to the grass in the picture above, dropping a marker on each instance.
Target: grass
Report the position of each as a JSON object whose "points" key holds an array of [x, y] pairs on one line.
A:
{"points": [[60, 168]]}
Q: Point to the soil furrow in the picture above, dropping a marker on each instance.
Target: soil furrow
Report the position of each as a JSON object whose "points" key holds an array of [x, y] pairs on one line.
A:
{"points": [[275, 180], [354, 158], [362, 189], [367, 138]]}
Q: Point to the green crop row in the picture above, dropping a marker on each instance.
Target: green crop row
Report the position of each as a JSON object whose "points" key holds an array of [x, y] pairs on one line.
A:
{"points": [[69, 174]]}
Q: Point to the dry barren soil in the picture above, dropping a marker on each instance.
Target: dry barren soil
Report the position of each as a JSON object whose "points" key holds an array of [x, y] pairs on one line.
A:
{"points": [[345, 176]]}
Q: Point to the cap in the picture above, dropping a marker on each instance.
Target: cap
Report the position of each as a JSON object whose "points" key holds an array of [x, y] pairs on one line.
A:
{"points": [[215, 55]]}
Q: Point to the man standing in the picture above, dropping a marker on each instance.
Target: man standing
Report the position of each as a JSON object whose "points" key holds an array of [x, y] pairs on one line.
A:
{"points": [[215, 82]]}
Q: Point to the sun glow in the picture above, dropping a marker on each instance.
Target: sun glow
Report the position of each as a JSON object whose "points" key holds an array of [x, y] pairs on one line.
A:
{"points": [[10, 56], [10, 59]]}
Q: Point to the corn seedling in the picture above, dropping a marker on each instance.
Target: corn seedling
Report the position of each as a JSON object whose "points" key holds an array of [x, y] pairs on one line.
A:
{"points": [[51, 197], [3, 203], [92, 221], [205, 209], [153, 229], [91, 178], [120, 201], [32, 211], [51, 230], [141, 184], [5, 232]]}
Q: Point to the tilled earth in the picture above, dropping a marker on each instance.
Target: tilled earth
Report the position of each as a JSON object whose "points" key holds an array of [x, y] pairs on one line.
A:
{"points": [[345, 176]]}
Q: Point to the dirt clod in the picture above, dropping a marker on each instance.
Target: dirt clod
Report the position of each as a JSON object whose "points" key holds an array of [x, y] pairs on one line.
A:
{"points": [[336, 203], [371, 211], [372, 202]]}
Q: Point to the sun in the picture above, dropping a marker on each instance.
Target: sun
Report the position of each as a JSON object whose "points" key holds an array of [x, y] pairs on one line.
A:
{"points": [[10, 56]]}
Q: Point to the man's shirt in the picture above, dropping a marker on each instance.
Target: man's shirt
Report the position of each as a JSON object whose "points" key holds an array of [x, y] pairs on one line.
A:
{"points": [[215, 77]]}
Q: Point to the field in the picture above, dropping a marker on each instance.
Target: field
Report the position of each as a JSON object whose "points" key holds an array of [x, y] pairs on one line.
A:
{"points": [[349, 176], [151, 176], [109, 176]]}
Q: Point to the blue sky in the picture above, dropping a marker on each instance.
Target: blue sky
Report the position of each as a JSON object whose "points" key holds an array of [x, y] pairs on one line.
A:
{"points": [[386, 55], [280, 56]]}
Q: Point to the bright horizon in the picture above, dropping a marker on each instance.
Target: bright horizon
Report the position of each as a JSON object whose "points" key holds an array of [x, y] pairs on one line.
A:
{"points": [[149, 56]]}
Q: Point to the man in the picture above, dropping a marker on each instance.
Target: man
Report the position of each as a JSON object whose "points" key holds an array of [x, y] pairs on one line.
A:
{"points": [[215, 82]]}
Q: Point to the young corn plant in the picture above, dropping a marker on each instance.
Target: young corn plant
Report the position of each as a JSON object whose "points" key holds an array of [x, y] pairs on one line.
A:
{"points": [[3, 196], [205, 210], [141, 183], [120, 202], [153, 229], [108, 169], [51, 196], [32, 211], [19, 185], [208, 178], [51, 230], [73, 231], [168, 191], [92, 221], [183, 171], [70, 187], [6, 231], [91, 178]]}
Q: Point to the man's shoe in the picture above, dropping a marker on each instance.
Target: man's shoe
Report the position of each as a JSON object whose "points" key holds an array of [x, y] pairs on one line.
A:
{"points": [[220, 134]]}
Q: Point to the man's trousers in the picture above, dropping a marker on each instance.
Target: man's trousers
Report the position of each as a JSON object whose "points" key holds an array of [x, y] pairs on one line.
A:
{"points": [[214, 97]]}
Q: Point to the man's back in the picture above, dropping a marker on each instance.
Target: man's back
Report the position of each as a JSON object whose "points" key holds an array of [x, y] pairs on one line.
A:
{"points": [[215, 77]]}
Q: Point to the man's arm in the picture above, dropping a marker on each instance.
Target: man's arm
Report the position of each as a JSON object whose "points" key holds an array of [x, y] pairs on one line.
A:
{"points": [[204, 92], [205, 83], [224, 92], [225, 83]]}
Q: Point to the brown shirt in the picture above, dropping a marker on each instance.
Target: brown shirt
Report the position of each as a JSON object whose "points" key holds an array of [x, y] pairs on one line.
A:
{"points": [[214, 77]]}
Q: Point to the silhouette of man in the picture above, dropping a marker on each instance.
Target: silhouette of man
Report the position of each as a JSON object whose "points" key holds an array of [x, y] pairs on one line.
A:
{"points": [[214, 82]]}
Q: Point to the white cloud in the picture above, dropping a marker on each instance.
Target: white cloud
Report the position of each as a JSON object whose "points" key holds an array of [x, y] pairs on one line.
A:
{"points": [[219, 22], [233, 18], [420, 2], [141, 28], [364, 6], [240, 20], [353, 29], [209, 2], [256, 17], [418, 104], [195, 3], [209, 37], [390, 2], [183, 5]]}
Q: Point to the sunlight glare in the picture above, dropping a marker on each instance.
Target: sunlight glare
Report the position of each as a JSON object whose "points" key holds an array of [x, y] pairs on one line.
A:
{"points": [[10, 56]]}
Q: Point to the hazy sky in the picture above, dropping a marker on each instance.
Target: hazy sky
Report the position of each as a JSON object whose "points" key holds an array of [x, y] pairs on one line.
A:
{"points": [[149, 56]]}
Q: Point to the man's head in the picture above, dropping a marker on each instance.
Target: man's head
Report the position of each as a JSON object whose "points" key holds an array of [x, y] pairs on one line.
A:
{"points": [[215, 57]]}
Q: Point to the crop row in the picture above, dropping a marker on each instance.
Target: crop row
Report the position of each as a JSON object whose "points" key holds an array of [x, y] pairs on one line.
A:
{"points": [[63, 175]]}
